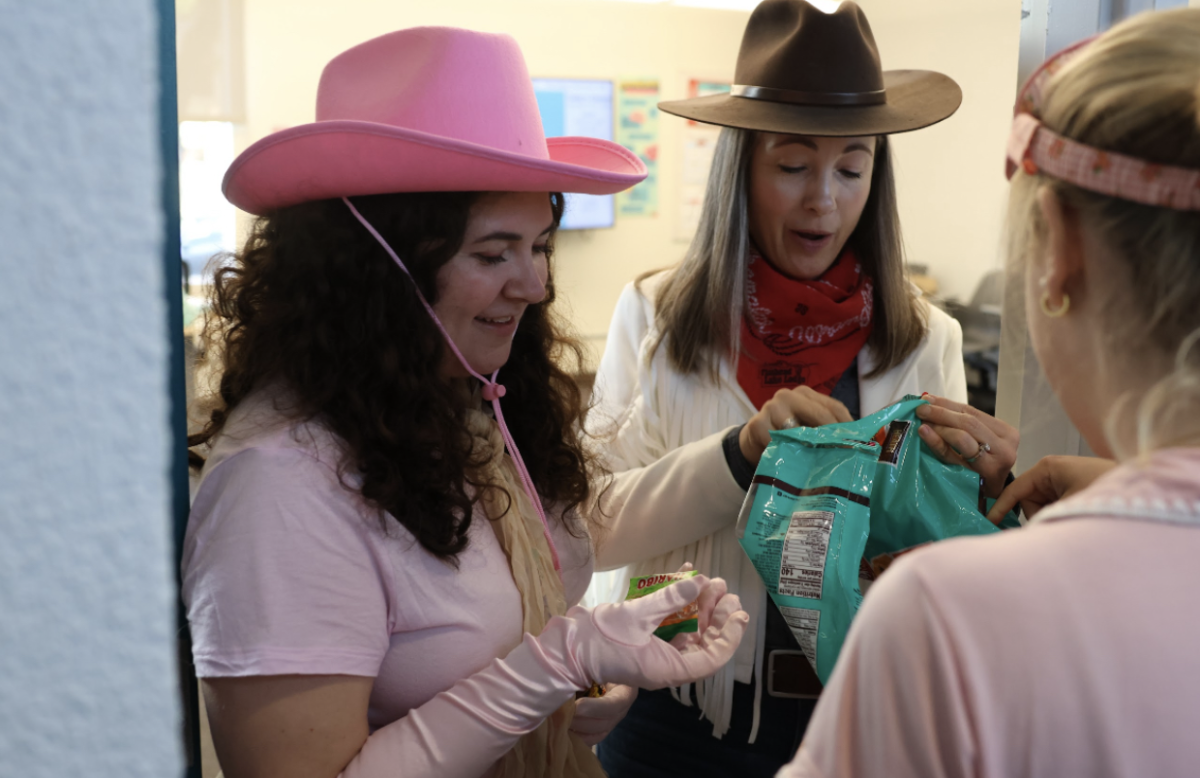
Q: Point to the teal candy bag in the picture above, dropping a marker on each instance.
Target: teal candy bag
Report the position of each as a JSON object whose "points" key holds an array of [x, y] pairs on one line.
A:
{"points": [[830, 505], [805, 536]]}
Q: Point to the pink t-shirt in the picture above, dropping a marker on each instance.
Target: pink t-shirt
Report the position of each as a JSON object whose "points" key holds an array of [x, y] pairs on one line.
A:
{"points": [[287, 571], [1068, 648]]}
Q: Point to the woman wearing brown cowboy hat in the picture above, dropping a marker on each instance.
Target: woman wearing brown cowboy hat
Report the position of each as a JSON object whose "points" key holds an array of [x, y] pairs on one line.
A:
{"points": [[790, 307]]}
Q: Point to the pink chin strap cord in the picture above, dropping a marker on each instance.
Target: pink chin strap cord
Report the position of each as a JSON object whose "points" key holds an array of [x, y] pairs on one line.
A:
{"points": [[492, 391]]}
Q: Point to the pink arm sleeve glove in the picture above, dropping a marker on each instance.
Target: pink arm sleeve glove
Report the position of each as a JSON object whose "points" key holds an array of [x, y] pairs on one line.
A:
{"points": [[465, 729]]}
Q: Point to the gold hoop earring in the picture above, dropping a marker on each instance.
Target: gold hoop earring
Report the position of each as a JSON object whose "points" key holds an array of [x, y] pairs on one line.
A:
{"points": [[1055, 313]]}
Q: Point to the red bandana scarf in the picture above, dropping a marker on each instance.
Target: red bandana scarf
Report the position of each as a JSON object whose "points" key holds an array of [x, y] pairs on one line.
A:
{"points": [[802, 333]]}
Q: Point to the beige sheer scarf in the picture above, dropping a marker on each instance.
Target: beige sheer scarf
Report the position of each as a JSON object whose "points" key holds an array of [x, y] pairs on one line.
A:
{"points": [[551, 750]]}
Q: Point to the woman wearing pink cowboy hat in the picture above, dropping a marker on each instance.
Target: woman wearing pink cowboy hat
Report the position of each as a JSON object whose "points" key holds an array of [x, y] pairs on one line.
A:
{"points": [[1067, 648], [386, 543], [791, 306]]}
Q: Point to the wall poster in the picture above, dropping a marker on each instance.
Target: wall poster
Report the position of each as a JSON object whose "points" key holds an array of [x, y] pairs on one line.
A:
{"points": [[637, 130], [699, 143]]}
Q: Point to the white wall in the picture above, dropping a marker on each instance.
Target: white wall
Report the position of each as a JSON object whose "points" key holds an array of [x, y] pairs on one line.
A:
{"points": [[951, 183], [87, 676], [950, 177]]}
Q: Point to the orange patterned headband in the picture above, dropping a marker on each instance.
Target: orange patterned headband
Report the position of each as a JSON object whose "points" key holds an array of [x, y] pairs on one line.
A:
{"points": [[1038, 149]]}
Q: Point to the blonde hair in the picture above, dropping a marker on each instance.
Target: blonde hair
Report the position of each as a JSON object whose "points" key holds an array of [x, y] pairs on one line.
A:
{"points": [[1135, 90], [700, 304]]}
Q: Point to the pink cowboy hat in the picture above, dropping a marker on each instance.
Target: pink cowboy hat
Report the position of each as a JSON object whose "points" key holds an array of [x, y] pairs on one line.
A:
{"points": [[422, 110]]}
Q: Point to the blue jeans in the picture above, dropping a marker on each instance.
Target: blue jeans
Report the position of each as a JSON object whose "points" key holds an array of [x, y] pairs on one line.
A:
{"points": [[660, 737]]}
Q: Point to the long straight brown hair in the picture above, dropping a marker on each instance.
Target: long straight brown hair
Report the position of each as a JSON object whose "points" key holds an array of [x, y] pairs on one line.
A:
{"points": [[700, 304]]}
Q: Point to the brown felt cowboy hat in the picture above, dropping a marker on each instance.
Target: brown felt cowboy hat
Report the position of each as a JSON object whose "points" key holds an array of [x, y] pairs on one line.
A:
{"points": [[803, 71]]}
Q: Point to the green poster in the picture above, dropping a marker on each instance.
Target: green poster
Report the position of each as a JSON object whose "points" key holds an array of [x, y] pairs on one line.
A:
{"points": [[637, 130]]}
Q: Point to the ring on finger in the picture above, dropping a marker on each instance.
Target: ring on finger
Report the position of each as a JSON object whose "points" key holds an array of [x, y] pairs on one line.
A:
{"points": [[983, 449], [788, 423]]}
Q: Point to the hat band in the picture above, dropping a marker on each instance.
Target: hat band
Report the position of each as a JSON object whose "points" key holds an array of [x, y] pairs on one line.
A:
{"points": [[877, 97]]}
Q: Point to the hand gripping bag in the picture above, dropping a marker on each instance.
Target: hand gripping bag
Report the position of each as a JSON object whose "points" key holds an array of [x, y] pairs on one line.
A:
{"points": [[835, 504]]}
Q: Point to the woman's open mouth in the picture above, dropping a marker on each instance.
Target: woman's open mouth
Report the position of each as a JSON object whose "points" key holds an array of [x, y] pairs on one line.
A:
{"points": [[812, 241]]}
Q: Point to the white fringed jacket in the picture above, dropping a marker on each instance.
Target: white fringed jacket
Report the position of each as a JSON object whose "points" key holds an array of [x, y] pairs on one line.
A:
{"points": [[644, 408]]}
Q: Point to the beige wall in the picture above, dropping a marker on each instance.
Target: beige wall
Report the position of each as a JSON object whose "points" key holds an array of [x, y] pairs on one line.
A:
{"points": [[950, 177], [951, 184]]}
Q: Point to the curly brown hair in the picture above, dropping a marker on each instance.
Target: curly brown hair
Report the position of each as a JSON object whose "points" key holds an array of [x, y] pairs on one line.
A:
{"points": [[314, 303]]}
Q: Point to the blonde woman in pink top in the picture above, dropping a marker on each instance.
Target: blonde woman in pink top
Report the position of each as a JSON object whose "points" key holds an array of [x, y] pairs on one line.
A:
{"points": [[383, 556], [1068, 648]]}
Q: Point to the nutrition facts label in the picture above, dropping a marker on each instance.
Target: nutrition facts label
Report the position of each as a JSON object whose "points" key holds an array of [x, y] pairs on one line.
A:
{"points": [[804, 624], [802, 568]]}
